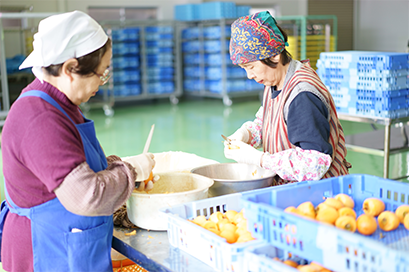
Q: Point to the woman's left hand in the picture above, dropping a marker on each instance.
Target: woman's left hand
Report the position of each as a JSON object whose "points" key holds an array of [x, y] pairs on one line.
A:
{"points": [[243, 153]]}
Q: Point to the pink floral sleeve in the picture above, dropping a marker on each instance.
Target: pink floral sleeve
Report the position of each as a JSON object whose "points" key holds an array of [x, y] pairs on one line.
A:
{"points": [[298, 164], [255, 128]]}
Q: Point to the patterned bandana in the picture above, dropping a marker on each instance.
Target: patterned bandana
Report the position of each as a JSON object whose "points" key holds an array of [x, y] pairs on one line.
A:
{"points": [[255, 37]]}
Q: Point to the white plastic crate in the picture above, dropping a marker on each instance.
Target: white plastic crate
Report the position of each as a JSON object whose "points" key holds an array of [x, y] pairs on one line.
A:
{"points": [[201, 243]]}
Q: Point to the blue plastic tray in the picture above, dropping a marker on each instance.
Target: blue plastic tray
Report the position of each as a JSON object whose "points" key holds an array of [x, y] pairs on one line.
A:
{"points": [[215, 32], [191, 59], [231, 72], [161, 87], [125, 34], [187, 12], [125, 48], [160, 73], [191, 33], [127, 75], [127, 89], [193, 85], [365, 60], [334, 248], [216, 59], [125, 62]]}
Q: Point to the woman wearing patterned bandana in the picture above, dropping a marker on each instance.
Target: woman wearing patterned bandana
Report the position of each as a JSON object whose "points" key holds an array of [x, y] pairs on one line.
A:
{"points": [[297, 125]]}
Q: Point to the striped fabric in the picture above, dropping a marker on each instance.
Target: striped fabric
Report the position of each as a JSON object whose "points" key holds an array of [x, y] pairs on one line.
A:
{"points": [[275, 134]]}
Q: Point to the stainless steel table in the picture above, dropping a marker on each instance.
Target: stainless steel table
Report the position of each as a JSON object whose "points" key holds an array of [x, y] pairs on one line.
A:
{"points": [[395, 138], [152, 251]]}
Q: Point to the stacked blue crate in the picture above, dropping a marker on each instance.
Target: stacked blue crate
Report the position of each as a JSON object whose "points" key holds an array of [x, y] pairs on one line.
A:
{"points": [[367, 83], [210, 11], [160, 59], [126, 61]]}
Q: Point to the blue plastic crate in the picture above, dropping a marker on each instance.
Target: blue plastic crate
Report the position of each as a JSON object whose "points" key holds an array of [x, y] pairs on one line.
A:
{"points": [[126, 75], [159, 29], [162, 60], [193, 71], [191, 46], [365, 60], [334, 248], [215, 32], [217, 10], [231, 72], [160, 73], [159, 50], [242, 10], [191, 33], [125, 48], [327, 72], [161, 87], [125, 62], [125, 34], [235, 85], [160, 43], [216, 59], [215, 46], [260, 259], [158, 36], [393, 114], [187, 12], [382, 83], [127, 89], [252, 85], [371, 103], [193, 85], [193, 58]]}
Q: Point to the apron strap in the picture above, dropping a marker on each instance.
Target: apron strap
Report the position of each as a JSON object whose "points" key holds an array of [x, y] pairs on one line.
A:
{"points": [[13, 207], [47, 98]]}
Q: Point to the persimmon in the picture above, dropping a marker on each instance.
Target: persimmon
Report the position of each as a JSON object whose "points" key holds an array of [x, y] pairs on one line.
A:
{"points": [[326, 213], [346, 200], [373, 206], [306, 209], [245, 238], [230, 236], [216, 217], [334, 203], [230, 214], [200, 220], [322, 269], [388, 221], [406, 222], [346, 222], [401, 211], [308, 268], [366, 224], [347, 211], [291, 263], [291, 209]]}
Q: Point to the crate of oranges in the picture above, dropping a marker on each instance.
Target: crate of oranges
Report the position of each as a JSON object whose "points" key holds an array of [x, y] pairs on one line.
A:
{"points": [[347, 223], [213, 230]]}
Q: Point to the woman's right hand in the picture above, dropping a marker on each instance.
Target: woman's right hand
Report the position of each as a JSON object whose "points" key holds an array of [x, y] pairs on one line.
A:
{"points": [[143, 165]]}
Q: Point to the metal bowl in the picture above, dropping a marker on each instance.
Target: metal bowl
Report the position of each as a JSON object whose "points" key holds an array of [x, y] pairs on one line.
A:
{"points": [[235, 177]]}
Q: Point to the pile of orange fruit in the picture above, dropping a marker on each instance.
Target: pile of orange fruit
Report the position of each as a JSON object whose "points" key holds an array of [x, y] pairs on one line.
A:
{"points": [[230, 225], [312, 267], [339, 211]]}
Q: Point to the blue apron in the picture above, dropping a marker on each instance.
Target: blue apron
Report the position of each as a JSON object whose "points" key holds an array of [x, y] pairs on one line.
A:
{"points": [[61, 240]]}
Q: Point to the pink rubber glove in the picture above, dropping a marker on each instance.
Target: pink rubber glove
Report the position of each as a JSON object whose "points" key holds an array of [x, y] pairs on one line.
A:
{"points": [[243, 153]]}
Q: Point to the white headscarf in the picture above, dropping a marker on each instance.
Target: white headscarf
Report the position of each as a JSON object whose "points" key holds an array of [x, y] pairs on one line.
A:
{"points": [[62, 37]]}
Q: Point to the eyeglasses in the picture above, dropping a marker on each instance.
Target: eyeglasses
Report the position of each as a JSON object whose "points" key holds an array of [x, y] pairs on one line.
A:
{"points": [[104, 77]]}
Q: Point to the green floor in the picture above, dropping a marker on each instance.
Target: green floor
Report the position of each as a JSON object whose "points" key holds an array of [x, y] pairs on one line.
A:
{"points": [[195, 125]]}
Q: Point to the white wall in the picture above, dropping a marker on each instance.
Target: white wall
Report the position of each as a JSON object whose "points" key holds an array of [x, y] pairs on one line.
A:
{"points": [[381, 25]]}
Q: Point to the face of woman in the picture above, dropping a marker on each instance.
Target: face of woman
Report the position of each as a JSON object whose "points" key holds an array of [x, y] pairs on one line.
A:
{"points": [[87, 86], [264, 74]]}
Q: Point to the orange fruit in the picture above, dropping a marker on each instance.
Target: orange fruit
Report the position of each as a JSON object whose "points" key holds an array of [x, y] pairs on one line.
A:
{"points": [[346, 222], [322, 269], [334, 203], [401, 211], [230, 214], [222, 223], [238, 217], [346, 200], [306, 209], [308, 268], [291, 263], [230, 236], [245, 238], [200, 220], [388, 221], [366, 224], [291, 209], [347, 211], [406, 222], [373, 206], [216, 217], [229, 227], [326, 213]]}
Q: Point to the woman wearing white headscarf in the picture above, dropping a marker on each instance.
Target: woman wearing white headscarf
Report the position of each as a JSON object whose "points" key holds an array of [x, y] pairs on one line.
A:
{"points": [[61, 190]]}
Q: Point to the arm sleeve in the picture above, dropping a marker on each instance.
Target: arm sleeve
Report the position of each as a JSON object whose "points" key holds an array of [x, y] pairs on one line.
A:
{"points": [[87, 193], [255, 127], [307, 123], [298, 164]]}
